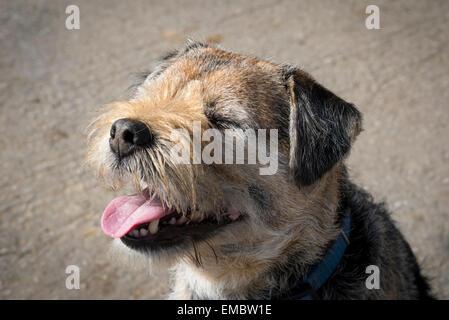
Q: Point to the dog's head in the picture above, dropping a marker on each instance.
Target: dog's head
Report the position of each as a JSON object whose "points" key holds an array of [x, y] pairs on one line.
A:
{"points": [[194, 199]]}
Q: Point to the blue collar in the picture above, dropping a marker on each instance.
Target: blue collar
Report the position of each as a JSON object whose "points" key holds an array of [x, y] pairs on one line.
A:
{"points": [[320, 272]]}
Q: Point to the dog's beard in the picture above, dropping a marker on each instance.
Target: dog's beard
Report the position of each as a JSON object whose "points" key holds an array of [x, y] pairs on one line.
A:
{"points": [[153, 263]]}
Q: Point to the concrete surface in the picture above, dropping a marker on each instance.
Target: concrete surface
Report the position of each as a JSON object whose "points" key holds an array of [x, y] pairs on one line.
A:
{"points": [[52, 79]]}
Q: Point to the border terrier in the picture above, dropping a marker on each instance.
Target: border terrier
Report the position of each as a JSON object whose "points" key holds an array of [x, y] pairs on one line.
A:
{"points": [[225, 230]]}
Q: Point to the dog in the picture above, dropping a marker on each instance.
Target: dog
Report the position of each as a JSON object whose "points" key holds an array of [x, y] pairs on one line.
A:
{"points": [[226, 231]]}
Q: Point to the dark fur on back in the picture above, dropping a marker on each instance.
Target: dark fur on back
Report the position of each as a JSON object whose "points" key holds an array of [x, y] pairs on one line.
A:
{"points": [[375, 240]]}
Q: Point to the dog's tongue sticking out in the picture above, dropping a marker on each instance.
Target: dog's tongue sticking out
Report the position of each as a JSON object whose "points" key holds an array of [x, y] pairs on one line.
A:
{"points": [[124, 213]]}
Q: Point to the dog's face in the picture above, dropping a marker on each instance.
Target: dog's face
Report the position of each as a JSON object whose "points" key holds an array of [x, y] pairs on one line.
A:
{"points": [[209, 211]]}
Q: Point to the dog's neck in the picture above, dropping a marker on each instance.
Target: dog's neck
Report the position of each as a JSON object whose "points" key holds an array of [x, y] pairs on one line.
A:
{"points": [[269, 279], [279, 282]]}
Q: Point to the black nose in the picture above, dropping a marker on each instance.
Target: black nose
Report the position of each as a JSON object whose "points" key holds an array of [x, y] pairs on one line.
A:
{"points": [[127, 135]]}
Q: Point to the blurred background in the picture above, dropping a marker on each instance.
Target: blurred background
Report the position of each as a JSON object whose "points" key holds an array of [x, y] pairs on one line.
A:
{"points": [[52, 80]]}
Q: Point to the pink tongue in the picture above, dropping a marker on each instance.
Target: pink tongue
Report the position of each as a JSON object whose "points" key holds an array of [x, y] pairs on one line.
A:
{"points": [[124, 213]]}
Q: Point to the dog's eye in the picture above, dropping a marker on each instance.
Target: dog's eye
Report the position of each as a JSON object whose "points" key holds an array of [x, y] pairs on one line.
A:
{"points": [[221, 122]]}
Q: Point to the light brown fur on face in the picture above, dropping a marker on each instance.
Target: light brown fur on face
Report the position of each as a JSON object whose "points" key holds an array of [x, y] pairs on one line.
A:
{"points": [[282, 217]]}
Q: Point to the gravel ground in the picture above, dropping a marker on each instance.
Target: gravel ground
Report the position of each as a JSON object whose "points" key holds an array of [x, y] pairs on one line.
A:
{"points": [[52, 79]]}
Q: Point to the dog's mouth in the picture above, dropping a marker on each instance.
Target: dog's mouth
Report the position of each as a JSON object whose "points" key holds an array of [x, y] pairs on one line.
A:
{"points": [[142, 221]]}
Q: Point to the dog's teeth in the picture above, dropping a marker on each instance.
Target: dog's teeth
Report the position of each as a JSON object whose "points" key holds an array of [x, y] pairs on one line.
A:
{"points": [[134, 233], [182, 219], [153, 227], [143, 232], [172, 221]]}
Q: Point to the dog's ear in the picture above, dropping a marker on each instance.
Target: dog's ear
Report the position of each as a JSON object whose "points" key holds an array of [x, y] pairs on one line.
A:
{"points": [[322, 127]]}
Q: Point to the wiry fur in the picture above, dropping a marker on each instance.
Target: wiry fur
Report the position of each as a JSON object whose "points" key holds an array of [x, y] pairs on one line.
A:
{"points": [[290, 218]]}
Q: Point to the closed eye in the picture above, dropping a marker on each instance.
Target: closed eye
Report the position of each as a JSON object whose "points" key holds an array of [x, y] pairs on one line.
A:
{"points": [[222, 122]]}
